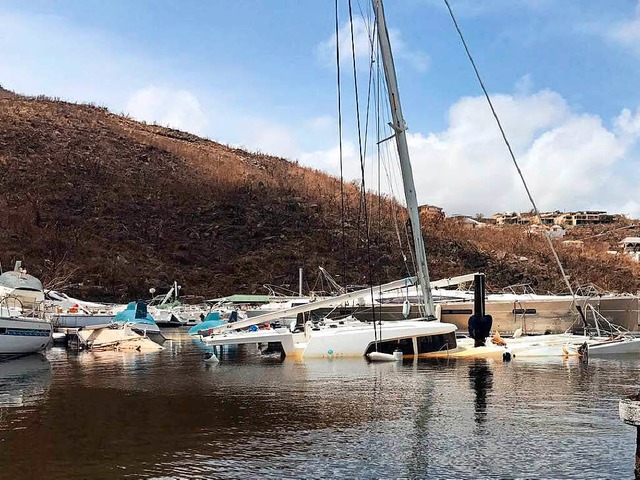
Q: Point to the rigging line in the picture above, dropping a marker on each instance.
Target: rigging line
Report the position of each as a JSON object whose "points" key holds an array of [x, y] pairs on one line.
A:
{"points": [[393, 182], [394, 216], [506, 141], [340, 150], [366, 118], [378, 130], [393, 154], [366, 216]]}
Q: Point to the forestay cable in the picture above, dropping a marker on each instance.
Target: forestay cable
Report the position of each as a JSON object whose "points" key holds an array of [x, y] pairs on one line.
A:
{"points": [[513, 157]]}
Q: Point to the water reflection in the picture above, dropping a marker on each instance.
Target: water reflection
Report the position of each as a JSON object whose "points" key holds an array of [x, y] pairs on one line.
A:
{"points": [[481, 382], [118, 415], [24, 381]]}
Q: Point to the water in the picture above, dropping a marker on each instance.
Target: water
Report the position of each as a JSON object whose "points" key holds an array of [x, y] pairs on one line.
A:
{"points": [[170, 415]]}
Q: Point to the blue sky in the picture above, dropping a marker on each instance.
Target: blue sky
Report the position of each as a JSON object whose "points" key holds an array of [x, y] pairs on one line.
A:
{"points": [[259, 74]]}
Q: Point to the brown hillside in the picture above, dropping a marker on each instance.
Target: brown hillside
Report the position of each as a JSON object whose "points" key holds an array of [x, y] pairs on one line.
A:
{"points": [[109, 207]]}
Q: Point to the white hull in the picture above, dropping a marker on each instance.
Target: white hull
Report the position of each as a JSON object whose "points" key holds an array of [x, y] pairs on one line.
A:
{"points": [[349, 339], [616, 347], [21, 336]]}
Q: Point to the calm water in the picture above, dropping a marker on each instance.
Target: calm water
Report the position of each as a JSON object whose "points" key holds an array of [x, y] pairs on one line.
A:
{"points": [[170, 415]]}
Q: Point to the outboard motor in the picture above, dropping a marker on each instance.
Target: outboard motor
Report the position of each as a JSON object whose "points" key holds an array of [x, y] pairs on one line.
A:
{"points": [[479, 323]]}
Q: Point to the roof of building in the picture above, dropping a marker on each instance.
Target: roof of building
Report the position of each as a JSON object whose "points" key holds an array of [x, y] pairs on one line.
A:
{"points": [[631, 240]]}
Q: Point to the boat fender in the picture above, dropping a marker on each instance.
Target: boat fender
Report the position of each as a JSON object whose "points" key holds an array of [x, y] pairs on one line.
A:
{"points": [[406, 308], [507, 356]]}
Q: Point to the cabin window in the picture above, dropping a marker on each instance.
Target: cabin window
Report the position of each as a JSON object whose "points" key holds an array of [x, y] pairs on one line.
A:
{"points": [[435, 343], [3, 331], [389, 346], [524, 311], [464, 311]]}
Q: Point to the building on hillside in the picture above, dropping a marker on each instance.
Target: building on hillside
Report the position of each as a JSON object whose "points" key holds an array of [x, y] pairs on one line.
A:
{"points": [[468, 222], [510, 218], [631, 247], [548, 218], [431, 213], [587, 217]]}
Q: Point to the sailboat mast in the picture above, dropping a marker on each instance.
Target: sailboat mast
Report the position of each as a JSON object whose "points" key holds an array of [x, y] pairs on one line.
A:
{"points": [[399, 126]]}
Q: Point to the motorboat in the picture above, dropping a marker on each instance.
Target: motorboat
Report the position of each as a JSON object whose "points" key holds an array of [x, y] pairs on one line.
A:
{"points": [[137, 316], [22, 336], [20, 289]]}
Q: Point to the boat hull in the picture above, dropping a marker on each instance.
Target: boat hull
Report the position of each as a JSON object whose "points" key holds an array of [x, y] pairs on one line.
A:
{"points": [[354, 339], [22, 336]]}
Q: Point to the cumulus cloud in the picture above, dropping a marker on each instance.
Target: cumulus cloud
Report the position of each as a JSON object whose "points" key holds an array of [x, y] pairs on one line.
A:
{"points": [[570, 160], [363, 42], [173, 108]]}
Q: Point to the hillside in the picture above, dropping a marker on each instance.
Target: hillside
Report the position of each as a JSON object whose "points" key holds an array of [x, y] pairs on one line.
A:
{"points": [[107, 207]]}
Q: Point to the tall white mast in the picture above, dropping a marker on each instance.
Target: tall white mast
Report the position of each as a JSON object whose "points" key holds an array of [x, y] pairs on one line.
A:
{"points": [[400, 127]]}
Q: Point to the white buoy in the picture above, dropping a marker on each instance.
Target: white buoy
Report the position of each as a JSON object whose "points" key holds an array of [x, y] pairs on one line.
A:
{"points": [[406, 308], [381, 357]]}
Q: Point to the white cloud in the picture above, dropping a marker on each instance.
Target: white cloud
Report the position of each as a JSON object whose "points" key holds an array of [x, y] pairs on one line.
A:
{"points": [[362, 46], [329, 160], [173, 108], [269, 137], [570, 160]]}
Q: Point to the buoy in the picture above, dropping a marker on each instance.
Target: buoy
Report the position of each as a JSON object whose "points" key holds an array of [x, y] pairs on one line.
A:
{"points": [[211, 358], [506, 356], [381, 357]]}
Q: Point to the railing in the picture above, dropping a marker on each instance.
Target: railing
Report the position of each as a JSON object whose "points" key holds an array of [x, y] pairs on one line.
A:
{"points": [[519, 289], [13, 306]]}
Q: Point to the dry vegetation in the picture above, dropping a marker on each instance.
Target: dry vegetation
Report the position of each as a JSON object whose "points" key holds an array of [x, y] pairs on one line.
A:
{"points": [[108, 207]]}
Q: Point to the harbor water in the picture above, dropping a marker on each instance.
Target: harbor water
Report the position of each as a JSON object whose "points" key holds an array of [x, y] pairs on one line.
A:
{"points": [[170, 415]]}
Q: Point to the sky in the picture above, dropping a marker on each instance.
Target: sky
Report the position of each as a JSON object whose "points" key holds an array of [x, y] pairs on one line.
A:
{"points": [[261, 74]]}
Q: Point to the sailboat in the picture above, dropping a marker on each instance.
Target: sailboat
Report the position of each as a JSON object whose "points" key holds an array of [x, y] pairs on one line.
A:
{"points": [[350, 337]]}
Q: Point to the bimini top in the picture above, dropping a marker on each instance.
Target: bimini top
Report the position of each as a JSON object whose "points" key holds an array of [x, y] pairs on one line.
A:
{"points": [[135, 313], [239, 298], [20, 281]]}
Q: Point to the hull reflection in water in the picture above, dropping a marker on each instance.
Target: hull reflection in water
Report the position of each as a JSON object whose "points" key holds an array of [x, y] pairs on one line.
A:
{"points": [[170, 415], [24, 381]]}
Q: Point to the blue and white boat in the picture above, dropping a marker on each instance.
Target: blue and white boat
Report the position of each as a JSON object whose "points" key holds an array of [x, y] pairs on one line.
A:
{"points": [[22, 336], [141, 321]]}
